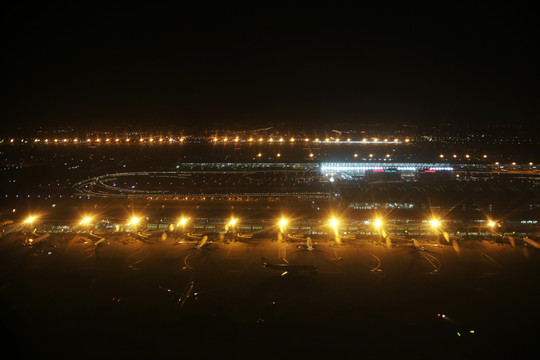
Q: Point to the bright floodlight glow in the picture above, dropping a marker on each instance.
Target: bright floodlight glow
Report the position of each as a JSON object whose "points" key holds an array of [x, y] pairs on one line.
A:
{"points": [[333, 222], [435, 223], [182, 221], [29, 219], [377, 223], [85, 220], [233, 221], [283, 222], [491, 223], [134, 220]]}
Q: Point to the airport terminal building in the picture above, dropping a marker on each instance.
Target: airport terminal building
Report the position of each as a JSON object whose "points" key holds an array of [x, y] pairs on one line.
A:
{"points": [[385, 171]]}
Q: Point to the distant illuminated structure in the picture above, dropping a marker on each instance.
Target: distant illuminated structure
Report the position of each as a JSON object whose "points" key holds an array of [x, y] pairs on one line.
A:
{"points": [[360, 169]]}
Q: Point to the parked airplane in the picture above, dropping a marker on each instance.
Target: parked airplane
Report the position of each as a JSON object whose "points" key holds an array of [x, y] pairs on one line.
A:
{"points": [[202, 242], [287, 268]]}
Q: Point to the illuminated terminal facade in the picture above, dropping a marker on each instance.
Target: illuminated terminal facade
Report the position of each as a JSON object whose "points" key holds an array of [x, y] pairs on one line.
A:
{"points": [[352, 168], [360, 169]]}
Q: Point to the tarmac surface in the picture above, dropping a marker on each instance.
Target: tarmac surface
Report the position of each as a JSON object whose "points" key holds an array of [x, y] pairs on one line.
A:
{"points": [[157, 296]]}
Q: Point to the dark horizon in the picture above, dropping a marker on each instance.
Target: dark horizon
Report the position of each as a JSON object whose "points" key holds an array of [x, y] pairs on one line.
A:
{"points": [[298, 64]]}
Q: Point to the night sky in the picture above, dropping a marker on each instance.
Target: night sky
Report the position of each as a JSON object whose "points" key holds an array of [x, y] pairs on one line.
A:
{"points": [[273, 63]]}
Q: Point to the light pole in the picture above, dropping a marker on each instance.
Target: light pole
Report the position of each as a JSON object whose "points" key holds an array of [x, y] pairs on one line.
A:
{"points": [[282, 228], [283, 225], [231, 226], [378, 225], [134, 221], [492, 225], [86, 222], [333, 222], [182, 223], [435, 224], [30, 220]]}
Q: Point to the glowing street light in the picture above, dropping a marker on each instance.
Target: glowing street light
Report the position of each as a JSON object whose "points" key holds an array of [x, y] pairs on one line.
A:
{"points": [[134, 221], [333, 222], [30, 220], [492, 227], [85, 220], [435, 223], [182, 221], [282, 225], [378, 225], [231, 224], [436, 226]]}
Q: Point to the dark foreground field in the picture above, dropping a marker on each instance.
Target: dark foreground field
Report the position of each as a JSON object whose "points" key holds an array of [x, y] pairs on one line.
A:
{"points": [[66, 298]]}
